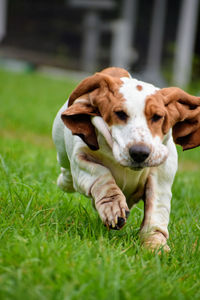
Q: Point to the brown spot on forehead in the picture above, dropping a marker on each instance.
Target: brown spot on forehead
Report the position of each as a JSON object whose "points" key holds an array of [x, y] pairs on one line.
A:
{"points": [[139, 87]]}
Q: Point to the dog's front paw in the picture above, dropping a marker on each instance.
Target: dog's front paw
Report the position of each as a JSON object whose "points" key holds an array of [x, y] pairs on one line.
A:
{"points": [[156, 241], [113, 211]]}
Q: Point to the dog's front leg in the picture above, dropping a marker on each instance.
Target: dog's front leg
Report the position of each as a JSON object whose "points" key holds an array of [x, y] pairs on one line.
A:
{"points": [[154, 228], [154, 231], [110, 202], [96, 181]]}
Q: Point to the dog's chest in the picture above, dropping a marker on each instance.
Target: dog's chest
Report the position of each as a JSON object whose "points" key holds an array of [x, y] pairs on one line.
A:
{"points": [[132, 183]]}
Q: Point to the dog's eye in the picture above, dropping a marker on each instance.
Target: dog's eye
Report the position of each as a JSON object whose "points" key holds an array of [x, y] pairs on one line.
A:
{"points": [[121, 115], [156, 118]]}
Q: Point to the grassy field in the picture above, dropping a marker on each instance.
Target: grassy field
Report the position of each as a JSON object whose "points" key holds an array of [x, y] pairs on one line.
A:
{"points": [[53, 245]]}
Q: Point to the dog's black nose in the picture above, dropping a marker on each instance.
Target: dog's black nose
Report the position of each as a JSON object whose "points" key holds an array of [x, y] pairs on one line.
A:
{"points": [[139, 153]]}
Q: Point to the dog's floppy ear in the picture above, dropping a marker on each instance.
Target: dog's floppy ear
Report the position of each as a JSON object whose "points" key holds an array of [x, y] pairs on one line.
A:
{"points": [[183, 116], [82, 105], [77, 119]]}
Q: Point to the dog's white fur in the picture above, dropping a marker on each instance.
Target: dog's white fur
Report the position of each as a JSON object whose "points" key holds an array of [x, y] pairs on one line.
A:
{"points": [[96, 173], [136, 130]]}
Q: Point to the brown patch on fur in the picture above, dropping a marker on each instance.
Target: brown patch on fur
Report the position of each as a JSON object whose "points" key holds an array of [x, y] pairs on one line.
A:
{"points": [[88, 158], [95, 95], [108, 102], [180, 111], [139, 87], [155, 107], [148, 200], [107, 199], [137, 196]]}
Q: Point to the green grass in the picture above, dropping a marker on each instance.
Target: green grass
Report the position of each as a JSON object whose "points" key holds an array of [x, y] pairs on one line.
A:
{"points": [[53, 245]]}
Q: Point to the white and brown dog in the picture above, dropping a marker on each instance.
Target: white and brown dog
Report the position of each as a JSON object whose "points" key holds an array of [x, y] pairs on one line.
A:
{"points": [[115, 142]]}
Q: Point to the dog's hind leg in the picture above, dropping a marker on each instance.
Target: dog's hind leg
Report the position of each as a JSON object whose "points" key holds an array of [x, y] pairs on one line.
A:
{"points": [[65, 181]]}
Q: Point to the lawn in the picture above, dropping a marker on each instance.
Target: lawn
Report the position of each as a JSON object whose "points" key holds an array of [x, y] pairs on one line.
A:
{"points": [[52, 244]]}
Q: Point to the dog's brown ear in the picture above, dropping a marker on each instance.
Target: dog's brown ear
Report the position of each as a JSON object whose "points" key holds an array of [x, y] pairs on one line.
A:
{"points": [[77, 119], [83, 104], [183, 116], [97, 81]]}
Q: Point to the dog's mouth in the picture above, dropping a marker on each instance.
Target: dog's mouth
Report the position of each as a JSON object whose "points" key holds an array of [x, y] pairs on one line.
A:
{"points": [[132, 165], [138, 168], [149, 163]]}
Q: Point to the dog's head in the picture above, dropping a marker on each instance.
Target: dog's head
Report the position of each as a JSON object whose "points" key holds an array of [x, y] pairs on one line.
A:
{"points": [[134, 117]]}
